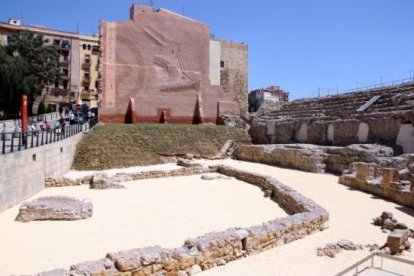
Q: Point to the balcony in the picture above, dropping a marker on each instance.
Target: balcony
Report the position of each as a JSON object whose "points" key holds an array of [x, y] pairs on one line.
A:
{"points": [[86, 81], [86, 64]]}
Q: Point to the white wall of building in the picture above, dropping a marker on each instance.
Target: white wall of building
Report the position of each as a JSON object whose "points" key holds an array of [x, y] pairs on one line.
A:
{"points": [[215, 58]]}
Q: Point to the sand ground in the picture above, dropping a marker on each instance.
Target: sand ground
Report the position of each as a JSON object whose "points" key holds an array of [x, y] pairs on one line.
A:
{"points": [[146, 213], [167, 211]]}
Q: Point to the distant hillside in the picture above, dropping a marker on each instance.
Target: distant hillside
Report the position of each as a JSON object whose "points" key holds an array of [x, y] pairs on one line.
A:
{"points": [[123, 145]]}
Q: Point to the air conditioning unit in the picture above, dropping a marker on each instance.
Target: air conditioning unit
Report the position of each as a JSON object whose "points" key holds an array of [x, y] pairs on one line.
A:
{"points": [[15, 22]]}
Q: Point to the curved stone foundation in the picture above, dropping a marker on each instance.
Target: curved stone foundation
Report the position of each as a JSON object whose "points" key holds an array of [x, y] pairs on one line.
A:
{"points": [[217, 248]]}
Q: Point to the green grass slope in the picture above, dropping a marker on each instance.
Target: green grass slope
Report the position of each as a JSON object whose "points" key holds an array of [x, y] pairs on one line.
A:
{"points": [[122, 145]]}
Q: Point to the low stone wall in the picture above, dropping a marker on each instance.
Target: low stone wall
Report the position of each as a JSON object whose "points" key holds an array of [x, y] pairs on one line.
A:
{"points": [[217, 248], [61, 182], [312, 158], [387, 182]]}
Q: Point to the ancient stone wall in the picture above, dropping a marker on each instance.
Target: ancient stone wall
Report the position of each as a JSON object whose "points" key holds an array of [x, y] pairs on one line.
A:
{"points": [[159, 62], [334, 120], [62, 182], [311, 158], [391, 178], [233, 76], [217, 248]]}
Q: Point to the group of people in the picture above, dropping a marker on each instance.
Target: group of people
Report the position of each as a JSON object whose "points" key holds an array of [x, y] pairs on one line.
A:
{"points": [[36, 128]]}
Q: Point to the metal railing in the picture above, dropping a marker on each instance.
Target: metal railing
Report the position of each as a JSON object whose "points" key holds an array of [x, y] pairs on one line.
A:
{"points": [[18, 141], [322, 92], [371, 258]]}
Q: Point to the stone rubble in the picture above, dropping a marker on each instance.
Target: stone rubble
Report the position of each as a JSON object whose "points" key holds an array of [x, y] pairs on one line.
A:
{"points": [[102, 181], [397, 240], [55, 208], [331, 249]]}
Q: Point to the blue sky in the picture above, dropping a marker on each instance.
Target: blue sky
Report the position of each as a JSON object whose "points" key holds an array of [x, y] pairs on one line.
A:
{"points": [[303, 46]]}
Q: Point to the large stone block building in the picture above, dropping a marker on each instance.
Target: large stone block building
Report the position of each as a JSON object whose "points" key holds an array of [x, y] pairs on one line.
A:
{"points": [[161, 66]]}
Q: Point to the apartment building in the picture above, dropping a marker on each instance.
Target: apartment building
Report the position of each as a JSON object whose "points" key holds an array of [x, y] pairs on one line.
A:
{"points": [[78, 57]]}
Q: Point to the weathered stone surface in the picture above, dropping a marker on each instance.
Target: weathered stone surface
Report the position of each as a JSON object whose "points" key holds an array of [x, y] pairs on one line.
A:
{"points": [[55, 208], [214, 176], [195, 269], [61, 182], [127, 260], [103, 181], [268, 193], [396, 240], [100, 267], [187, 163]]}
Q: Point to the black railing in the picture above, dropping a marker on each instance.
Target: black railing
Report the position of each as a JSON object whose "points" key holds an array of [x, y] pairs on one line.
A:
{"points": [[93, 122], [17, 141]]}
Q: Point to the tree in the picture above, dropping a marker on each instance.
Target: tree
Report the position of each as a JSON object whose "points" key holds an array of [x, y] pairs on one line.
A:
{"points": [[35, 66], [42, 108], [49, 108], [12, 82], [253, 103]]}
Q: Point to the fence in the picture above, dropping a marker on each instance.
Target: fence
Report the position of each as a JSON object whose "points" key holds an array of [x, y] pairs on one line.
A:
{"points": [[332, 91], [17, 141], [370, 259]]}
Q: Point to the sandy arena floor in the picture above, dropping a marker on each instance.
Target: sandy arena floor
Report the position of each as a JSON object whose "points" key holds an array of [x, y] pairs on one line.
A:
{"points": [[184, 207], [148, 212]]}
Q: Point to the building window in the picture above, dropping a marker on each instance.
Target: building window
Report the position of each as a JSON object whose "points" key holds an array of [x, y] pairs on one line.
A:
{"points": [[56, 42], [95, 49], [65, 84], [89, 47], [84, 46], [221, 64], [65, 44], [87, 59]]}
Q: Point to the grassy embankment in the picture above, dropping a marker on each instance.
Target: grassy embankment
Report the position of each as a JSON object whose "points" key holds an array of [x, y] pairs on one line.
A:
{"points": [[123, 145]]}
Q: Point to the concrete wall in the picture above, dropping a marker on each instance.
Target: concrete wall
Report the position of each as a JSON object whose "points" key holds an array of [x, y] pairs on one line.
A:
{"points": [[215, 58], [23, 173]]}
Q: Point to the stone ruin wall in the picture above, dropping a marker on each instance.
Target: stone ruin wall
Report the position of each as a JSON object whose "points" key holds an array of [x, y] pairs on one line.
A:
{"points": [[366, 167], [391, 178], [388, 131], [334, 120], [233, 76], [217, 248], [157, 65]]}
